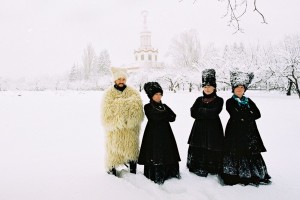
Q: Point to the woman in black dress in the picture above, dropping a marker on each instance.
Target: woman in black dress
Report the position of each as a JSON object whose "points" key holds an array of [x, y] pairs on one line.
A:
{"points": [[159, 153], [242, 161], [206, 137]]}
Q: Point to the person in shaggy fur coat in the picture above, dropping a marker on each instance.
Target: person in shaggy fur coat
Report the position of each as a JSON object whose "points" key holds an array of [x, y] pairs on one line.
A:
{"points": [[122, 115]]}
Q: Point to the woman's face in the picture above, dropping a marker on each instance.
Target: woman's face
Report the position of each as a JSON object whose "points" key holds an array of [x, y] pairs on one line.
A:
{"points": [[208, 89], [157, 97], [239, 91]]}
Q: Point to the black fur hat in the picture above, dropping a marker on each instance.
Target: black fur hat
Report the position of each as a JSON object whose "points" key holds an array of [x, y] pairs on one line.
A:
{"points": [[151, 88], [209, 78], [240, 78]]}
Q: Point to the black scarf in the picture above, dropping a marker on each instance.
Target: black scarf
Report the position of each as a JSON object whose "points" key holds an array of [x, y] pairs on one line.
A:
{"points": [[207, 98], [120, 88], [159, 106]]}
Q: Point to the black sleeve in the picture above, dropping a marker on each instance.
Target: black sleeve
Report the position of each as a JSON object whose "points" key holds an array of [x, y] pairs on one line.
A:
{"points": [[233, 109], [201, 111], [194, 108], [157, 115], [242, 113], [171, 114], [254, 111]]}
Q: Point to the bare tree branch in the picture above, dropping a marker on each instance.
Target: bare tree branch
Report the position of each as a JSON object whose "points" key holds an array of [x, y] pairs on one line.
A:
{"points": [[262, 16], [232, 9], [235, 10]]}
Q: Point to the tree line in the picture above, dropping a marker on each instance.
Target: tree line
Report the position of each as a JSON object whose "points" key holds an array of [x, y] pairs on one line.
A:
{"points": [[275, 66]]}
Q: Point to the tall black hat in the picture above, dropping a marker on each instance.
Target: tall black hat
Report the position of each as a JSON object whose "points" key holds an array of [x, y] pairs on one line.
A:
{"points": [[241, 78], [209, 78], [151, 88]]}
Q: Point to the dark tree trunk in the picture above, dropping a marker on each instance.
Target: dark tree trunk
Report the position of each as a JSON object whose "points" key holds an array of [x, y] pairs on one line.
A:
{"points": [[290, 84], [296, 82]]}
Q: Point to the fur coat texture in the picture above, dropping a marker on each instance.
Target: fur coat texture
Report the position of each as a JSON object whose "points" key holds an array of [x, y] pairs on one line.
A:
{"points": [[122, 115]]}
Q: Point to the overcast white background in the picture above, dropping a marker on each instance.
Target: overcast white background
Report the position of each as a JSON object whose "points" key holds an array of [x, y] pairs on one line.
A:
{"points": [[46, 37]]}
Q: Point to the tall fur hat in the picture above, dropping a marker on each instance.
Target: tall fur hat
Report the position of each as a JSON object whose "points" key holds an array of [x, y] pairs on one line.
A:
{"points": [[209, 78], [240, 78], [151, 88], [118, 72]]}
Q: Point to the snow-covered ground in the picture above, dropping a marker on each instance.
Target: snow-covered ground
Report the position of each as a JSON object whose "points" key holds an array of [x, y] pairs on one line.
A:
{"points": [[52, 148]]}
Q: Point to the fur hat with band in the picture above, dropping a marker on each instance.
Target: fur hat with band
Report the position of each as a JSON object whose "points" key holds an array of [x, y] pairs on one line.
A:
{"points": [[151, 88], [209, 78], [118, 72], [240, 78]]}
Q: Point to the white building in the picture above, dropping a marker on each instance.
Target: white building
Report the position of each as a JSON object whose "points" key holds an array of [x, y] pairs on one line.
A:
{"points": [[146, 57]]}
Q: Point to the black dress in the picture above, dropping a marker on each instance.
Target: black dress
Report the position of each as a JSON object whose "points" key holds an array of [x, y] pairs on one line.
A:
{"points": [[242, 162], [206, 137], [159, 153]]}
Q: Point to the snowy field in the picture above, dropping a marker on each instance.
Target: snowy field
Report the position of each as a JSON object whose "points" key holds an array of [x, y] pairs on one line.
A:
{"points": [[52, 148]]}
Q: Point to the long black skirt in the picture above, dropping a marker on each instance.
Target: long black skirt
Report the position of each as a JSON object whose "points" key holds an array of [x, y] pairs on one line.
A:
{"points": [[159, 173], [244, 169], [201, 161]]}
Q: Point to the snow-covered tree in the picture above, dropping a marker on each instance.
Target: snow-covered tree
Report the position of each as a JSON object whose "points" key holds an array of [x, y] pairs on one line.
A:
{"points": [[101, 71], [138, 79], [289, 55], [185, 50], [75, 73], [94, 72], [237, 57], [186, 55], [171, 77], [103, 64], [265, 76], [3, 84], [211, 59], [88, 61]]}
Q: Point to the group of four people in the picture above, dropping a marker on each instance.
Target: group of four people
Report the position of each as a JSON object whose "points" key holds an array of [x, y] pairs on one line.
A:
{"points": [[235, 157]]}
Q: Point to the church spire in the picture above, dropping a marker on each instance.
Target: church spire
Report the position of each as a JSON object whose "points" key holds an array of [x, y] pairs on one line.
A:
{"points": [[145, 55], [145, 14], [145, 35]]}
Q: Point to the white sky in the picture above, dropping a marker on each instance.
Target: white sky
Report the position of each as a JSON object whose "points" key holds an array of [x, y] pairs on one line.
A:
{"points": [[39, 37]]}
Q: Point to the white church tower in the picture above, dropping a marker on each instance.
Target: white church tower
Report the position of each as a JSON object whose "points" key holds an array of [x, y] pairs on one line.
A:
{"points": [[146, 56]]}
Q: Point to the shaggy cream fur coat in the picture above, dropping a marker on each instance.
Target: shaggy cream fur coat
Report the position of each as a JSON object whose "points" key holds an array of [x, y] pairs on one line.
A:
{"points": [[122, 115]]}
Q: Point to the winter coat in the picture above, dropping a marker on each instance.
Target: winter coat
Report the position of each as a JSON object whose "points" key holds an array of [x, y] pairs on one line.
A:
{"points": [[241, 133], [122, 115], [207, 130], [158, 144]]}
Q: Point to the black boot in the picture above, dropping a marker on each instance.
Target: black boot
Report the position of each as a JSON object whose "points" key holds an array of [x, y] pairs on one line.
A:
{"points": [[132, 167], [112, 171]]}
